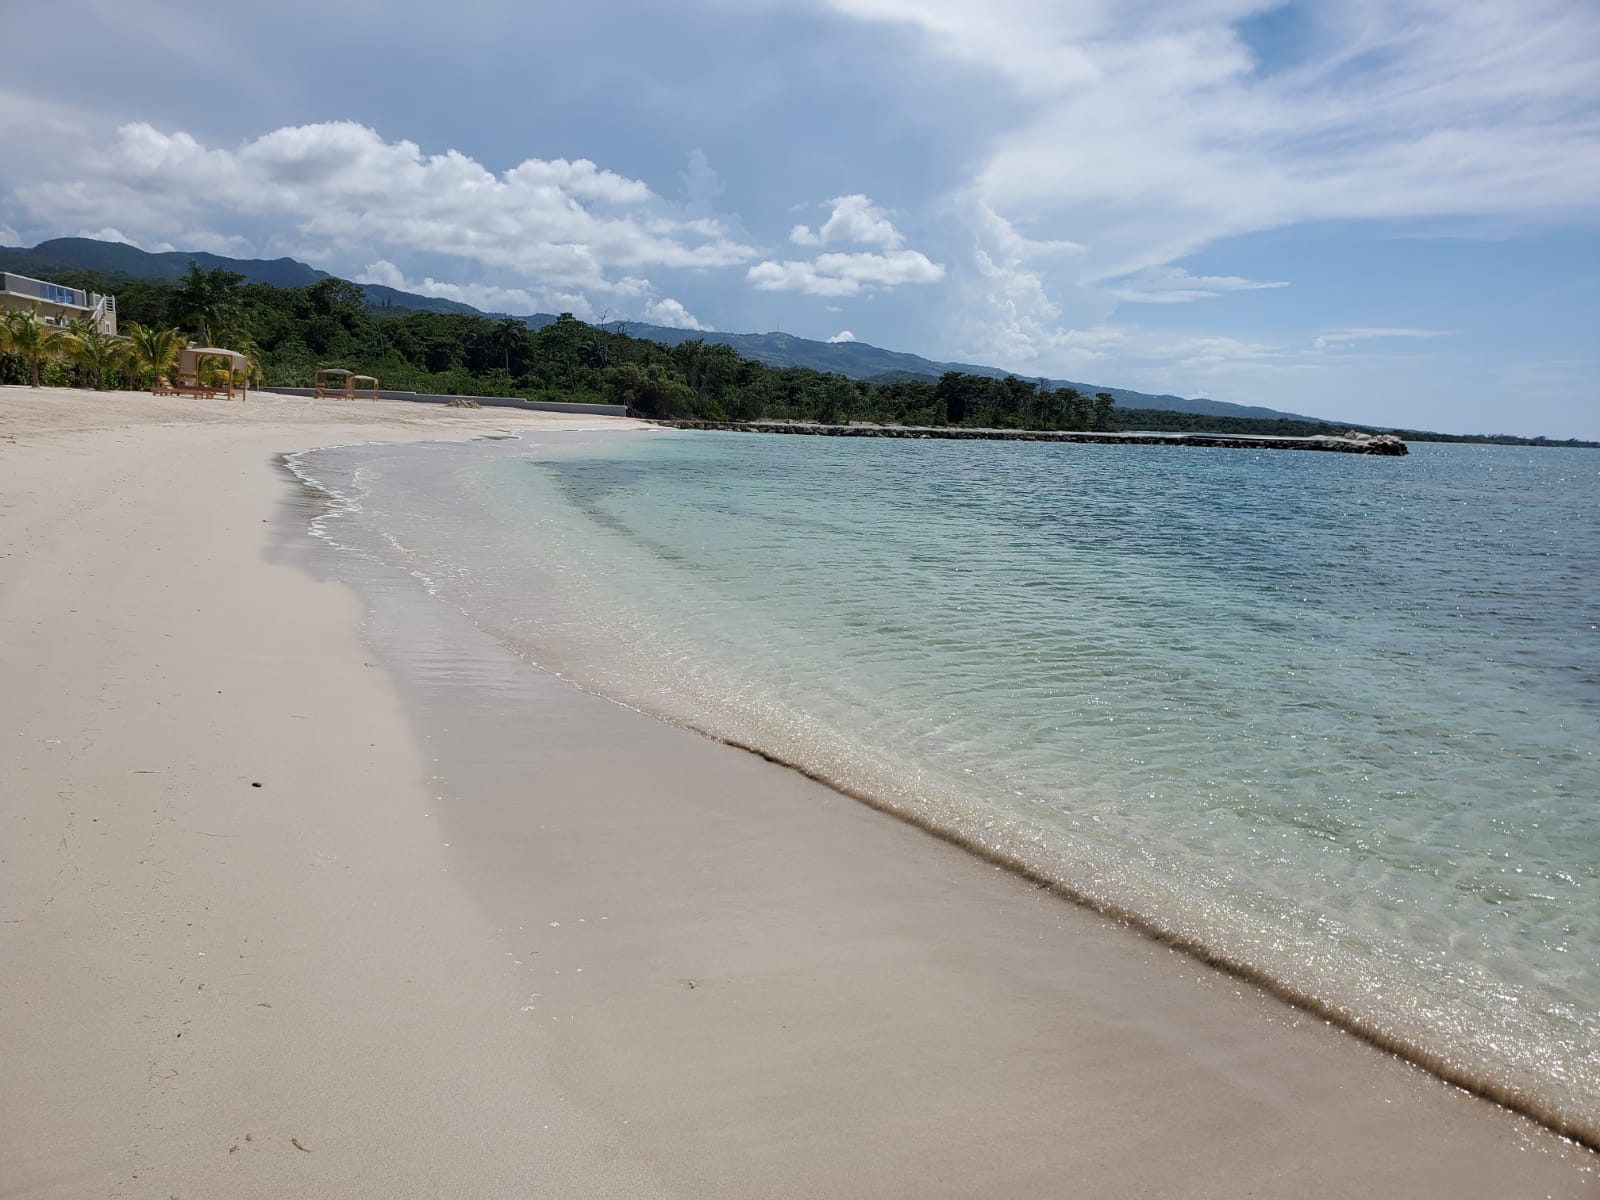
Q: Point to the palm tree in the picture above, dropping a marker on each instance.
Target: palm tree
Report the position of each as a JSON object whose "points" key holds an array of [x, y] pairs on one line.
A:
{"points": [[209, 302], [95, 352], [34, 340], [507, 336], [154, 350]]}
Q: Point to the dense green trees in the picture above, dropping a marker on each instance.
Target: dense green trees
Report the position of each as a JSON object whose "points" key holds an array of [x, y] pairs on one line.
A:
{"points": [[208, 303], [96, 354], [292, 331]]}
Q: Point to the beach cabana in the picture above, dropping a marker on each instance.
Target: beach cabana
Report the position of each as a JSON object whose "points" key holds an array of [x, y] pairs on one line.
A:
{"points": [[189, 381], [340, 384]]}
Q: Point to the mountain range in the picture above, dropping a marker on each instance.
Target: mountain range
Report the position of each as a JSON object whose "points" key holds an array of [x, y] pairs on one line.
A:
{"points": [[856, 360]]}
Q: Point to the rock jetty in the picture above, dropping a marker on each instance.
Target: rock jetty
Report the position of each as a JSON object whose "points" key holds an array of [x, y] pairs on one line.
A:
{"points": [[1354, 441]]}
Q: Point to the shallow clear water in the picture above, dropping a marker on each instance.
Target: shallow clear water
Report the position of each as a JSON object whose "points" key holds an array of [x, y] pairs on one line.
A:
{"points": [[1330, 717]]}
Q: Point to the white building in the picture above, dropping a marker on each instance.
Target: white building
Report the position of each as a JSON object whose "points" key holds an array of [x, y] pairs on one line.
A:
{"points": [[58, 305]]}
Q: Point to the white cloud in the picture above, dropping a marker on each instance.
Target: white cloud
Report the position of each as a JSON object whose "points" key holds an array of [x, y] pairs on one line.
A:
{"points": [[342, 187], [793, 276], [385, 274], [9, 236], [844, 335], [1174, 285], [855, 219], [1153, 129], [672, 314], [839, 274], [487, 297], [216, 243], [1342, 337], [1004, 309], [581, 179], [107, 234]]}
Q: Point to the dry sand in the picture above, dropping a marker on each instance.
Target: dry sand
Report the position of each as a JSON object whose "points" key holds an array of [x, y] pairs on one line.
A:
{"points": [[339, 983]]}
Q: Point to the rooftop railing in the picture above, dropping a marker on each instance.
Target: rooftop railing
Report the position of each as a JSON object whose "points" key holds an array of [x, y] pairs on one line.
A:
{"points": [[38, 289]]}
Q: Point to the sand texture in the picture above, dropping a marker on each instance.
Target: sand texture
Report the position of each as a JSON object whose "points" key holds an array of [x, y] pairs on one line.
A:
{"points": [[478, 934]]}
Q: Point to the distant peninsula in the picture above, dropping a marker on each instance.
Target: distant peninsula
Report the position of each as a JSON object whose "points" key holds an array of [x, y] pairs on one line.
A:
{"points": [[1352, 442]]}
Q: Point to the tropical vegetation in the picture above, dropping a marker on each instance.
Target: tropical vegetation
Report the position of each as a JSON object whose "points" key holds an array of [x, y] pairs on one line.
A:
{"points": [[32, 343], [290, 332]]}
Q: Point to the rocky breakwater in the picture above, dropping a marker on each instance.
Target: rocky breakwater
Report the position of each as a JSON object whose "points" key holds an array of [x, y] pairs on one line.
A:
{"points": [[1354, 441]]}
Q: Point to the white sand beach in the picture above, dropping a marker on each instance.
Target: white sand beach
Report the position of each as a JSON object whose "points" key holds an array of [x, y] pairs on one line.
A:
{"points": [[247, 953]]}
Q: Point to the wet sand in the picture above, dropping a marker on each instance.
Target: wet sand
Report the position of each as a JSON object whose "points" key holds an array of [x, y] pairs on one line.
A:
{"points": [[477, 933]]}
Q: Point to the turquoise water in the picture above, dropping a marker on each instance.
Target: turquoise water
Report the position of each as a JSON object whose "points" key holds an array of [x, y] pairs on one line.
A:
{"points": [[1331, 718]]}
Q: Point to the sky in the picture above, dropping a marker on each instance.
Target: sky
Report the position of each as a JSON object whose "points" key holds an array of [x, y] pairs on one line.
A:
{"points": [[1381, 211]]}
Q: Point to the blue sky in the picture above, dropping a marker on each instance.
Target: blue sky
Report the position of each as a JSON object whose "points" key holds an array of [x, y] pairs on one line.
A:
{"points": [[1386, 212]]}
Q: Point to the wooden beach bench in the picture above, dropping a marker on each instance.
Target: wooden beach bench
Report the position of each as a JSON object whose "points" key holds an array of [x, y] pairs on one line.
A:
{"points": [[336, 383], [166, 387], [186, 379]]}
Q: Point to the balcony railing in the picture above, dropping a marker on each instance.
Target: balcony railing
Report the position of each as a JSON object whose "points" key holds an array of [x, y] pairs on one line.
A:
{"points": [[38, 289]]}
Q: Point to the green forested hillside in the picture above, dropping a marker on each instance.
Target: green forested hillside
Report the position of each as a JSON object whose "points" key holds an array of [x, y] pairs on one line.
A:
{"points": [[117, 265], [117, 262], [292, 331]]}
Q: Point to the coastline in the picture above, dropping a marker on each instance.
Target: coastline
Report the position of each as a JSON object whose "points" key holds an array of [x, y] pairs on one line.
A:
{"points": [[1384, 444], [872, 1011]]}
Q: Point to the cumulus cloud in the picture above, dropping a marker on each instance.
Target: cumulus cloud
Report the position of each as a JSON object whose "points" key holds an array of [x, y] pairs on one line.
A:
{"points": [[1005, 308], [385, 274], [671, 313], [484, 296], [1174, 285], [341, 186], [107, 234], [840, 274], [854, 219], [844, 335]]}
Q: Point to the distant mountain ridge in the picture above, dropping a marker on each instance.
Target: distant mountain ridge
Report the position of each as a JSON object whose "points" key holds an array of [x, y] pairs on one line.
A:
{"points": [[168, 266], [856, 360], [119, 258]]}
